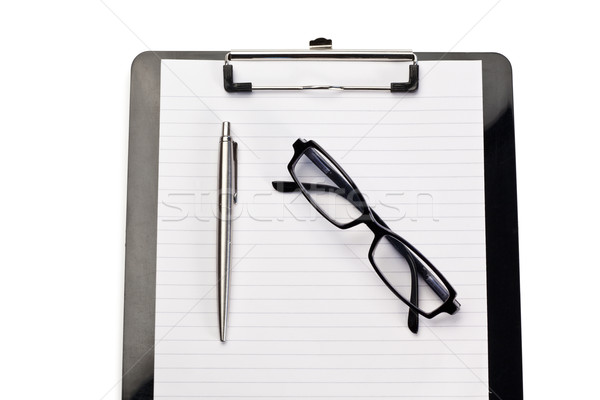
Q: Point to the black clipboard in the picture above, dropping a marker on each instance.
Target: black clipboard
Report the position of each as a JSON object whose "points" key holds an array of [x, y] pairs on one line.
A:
{"points": [[503, 291]]}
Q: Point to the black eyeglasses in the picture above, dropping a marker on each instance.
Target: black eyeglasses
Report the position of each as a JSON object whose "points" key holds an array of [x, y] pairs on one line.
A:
{"points": [[403, 269]]}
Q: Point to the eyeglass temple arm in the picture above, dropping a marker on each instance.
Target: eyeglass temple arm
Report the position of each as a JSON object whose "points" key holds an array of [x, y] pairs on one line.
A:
{"points": [[431, 280], [413, 316]]}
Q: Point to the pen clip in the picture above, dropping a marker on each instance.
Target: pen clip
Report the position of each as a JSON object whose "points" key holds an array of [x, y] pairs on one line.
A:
{"points": [[235, 172]]}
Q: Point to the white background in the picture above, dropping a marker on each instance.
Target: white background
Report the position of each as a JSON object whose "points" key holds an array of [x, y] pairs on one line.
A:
{"points": [[64, 88]]}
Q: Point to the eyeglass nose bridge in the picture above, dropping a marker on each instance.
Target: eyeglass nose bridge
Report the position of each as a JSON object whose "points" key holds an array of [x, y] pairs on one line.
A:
{"points": [[374, 222], [370, 222]]}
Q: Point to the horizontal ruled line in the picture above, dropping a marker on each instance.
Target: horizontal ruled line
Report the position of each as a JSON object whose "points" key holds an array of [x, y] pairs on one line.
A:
{"points": [[292, 136], [332, 150], [325, 396], [279, 204], [386, 110], [310, 271], [304, 313], [321, 230], [302, 299], [345, 162], [313, 217], [326, 382], [325, 340], [312, 285], [354, 177], [326, 123], [316, 244], [309, 257], [328, 368], [396, 97], [317, 326], [318, 354], [429, 190]]}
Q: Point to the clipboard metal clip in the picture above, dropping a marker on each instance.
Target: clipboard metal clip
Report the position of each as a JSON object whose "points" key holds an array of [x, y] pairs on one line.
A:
{"points": [[321, 49]]}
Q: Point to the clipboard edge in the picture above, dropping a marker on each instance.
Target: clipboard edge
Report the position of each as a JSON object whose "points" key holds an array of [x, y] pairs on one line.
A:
{"points": [[504, 350]]}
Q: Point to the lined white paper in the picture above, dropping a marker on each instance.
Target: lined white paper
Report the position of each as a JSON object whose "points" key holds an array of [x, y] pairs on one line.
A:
{"points": [[309, 318]]}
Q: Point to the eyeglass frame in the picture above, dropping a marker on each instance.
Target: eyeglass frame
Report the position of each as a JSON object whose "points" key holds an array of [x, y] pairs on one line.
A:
{"points": [[379, 229]]}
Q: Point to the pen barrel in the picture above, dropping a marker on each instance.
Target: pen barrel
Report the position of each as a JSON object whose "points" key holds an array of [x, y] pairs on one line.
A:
{"points": [[224, 220]]}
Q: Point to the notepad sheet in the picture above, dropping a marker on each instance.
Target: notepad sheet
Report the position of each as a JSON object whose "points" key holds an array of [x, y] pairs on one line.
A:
{"points": [[309, 318]]}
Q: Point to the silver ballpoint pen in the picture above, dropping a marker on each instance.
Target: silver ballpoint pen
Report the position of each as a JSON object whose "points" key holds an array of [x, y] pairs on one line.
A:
{"points": [[227, 194]]}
